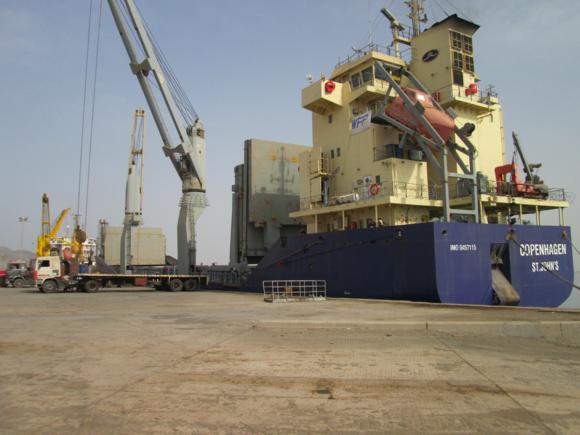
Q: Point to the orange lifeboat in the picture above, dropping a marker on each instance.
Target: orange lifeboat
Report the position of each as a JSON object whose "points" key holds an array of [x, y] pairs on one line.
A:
{"points": [[441, 121]]}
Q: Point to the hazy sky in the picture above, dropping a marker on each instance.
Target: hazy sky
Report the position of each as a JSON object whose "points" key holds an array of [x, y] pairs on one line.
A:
{"points": [[243, 65]]}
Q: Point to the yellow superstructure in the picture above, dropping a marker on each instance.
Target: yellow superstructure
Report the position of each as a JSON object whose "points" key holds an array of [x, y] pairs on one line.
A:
{"points": [[358, 175]]}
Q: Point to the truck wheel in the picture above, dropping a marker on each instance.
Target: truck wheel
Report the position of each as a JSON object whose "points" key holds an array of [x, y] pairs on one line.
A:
{"points": [[176, 285], [49, 286], [191, 285], [18, 283], [91, 286]]}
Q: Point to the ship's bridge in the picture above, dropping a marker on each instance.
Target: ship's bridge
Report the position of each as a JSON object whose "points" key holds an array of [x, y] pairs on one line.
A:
{"points": [[353, 79], [361, 172]]}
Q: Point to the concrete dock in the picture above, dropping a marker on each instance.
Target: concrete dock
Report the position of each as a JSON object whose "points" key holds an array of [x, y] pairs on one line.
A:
{"points": [[140, 361]]}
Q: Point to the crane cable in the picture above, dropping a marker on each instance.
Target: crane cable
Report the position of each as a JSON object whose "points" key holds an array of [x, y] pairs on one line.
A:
{"points": [[84, 109], [184, 106], [187, 111], [575, 248], [93, 111]]}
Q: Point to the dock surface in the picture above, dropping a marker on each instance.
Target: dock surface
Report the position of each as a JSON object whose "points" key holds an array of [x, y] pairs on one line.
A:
{"points": [[140, 361]]}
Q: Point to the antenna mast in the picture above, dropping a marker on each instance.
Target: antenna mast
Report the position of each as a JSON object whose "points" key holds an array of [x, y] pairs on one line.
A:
{"points": [[415, 15]]}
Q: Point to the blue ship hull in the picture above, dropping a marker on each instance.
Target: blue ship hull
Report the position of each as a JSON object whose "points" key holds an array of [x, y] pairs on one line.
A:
{"points": [[431, 262]]}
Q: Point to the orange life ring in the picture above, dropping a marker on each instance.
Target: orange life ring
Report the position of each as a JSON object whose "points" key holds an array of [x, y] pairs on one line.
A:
{"points": [[374, 189], [329, 86]]}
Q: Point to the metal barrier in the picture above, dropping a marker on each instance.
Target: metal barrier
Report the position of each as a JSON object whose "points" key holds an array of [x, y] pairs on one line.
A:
{"points": [[294, 290]]}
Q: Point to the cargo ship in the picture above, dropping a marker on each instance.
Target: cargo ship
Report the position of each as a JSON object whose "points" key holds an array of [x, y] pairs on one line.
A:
{"points": [[408, 192]]}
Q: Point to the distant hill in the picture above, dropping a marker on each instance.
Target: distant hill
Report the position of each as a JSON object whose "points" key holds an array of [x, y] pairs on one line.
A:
{"points": [[7, 254]]}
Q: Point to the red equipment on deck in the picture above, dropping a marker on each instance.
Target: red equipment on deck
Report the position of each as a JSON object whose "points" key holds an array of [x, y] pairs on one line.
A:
{"points": [[514, 185], [532, 187]]}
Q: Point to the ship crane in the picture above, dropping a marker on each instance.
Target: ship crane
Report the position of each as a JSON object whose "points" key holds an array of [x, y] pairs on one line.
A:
{"points": [[134, 189], [530, 169], [188, 154], [532, 187]]}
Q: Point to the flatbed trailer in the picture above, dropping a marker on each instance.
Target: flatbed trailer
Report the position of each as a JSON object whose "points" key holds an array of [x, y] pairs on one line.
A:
{"points": [[91, 282], [51, 277]]}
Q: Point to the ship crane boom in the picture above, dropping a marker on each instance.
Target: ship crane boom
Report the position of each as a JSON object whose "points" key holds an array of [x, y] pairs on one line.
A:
{"points": [[528, 168], [188, 155]]}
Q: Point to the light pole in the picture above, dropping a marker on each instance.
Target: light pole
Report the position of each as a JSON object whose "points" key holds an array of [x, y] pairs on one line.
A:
{"points": [[23, 220]]}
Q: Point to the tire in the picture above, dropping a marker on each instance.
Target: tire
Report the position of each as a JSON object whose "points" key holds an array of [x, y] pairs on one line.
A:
{"points": [[18, 283], [176, 285], [191, 285], [49, 286], [91, 286]]}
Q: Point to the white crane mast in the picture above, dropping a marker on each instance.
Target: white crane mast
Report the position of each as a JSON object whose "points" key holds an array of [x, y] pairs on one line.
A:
{"points": [[134, 189], [187, 156]]}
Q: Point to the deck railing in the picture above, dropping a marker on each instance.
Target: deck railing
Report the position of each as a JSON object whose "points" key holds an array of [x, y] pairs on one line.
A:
{"points": [[387, 188], [457, 189]]}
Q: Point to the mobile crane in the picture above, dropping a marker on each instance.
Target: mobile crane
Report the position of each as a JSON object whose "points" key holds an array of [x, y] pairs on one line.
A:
{"points": [[48, 232], [188, 154]]}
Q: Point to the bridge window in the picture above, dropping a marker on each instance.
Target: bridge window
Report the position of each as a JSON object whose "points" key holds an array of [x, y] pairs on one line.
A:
{"points": [[469, 67], [367, 74], [456, 40], [462, 51], [457, 60], [467, 44], [355, 80]]}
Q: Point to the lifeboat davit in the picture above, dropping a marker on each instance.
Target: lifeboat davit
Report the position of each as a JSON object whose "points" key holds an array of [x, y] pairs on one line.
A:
{"points": [[440, 120]]}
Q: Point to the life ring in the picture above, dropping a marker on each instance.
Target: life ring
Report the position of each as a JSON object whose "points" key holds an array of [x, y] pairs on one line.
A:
{"points": [[329, 86], [374, 189]]}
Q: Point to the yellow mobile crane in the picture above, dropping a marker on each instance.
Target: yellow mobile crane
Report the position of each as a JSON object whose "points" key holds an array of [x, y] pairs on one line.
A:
{"points": [[47, 232]]}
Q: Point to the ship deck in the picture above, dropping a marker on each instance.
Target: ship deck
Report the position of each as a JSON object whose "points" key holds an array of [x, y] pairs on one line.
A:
{"points": [[136, 361]]}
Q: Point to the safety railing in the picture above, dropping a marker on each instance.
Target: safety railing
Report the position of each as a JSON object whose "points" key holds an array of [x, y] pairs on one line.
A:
{"points": [[449, 92], [385, 189], [526, 190], [294, 290], [360, 52], [457, 189], [404, 53], [558, 194]]}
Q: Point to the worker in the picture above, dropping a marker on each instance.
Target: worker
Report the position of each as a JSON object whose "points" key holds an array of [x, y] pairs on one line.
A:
{"points": [[380, 222]]}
